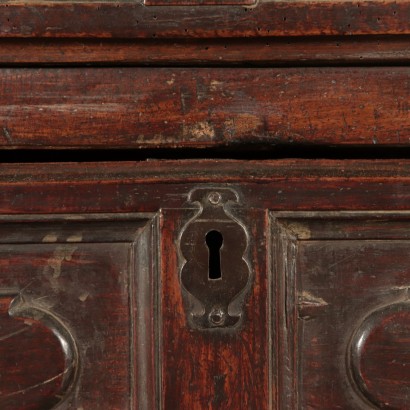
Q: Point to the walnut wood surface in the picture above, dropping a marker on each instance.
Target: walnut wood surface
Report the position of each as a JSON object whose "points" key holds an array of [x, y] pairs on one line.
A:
{"points": [[28, 380], [216, 52], [70, 336], [218, 368], [345, 331], [141, 107], [94, 308], [134, 20], [96, 246]]}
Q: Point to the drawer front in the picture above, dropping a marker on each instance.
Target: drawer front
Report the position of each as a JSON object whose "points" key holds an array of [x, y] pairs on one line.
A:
{"points": [[113, 294], [204, 107]]}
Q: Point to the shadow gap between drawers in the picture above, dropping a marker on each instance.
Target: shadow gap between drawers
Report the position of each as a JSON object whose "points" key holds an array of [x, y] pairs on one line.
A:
{"points": [[245, 152]]}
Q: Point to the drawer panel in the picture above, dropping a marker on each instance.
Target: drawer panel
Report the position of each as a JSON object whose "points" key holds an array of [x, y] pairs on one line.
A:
{"points": [[346, 321], [73, 292], [109, 293]]}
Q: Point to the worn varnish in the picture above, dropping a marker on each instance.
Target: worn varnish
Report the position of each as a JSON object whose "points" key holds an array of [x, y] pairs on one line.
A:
{"points": [[70, 323], [202, 52], [141, 107], [269, 18], [193, 284], [325, 316], [345, 331], [43, 385]]}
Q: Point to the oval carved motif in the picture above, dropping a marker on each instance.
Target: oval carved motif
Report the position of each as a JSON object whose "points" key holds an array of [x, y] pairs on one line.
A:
{"points": [[379, 356], [39, 360]]}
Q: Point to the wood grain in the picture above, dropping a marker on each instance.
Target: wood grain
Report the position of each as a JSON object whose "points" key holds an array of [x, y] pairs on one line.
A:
{"points": [[344, 328], [68, 281], [331, 270], [215, 368], [134, 20], [29, 379], [139, 107], [200, 52]]}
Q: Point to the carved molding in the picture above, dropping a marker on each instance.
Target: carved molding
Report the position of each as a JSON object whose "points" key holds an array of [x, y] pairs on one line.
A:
{"points": [[382, 320], [21, 308]]}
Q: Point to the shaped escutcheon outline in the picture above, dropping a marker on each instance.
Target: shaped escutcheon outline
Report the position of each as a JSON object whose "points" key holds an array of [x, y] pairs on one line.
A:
{"points": [[214, 302]]}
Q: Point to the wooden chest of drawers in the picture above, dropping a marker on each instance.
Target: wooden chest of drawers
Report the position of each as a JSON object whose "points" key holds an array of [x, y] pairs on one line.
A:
{"points": [[204, 206]]}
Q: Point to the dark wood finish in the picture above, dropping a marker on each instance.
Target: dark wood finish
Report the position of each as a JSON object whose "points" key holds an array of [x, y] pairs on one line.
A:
{"points": [[105, 187], [139, 107], [200, 52], [345, 331], [204, 284], [28, 381], [319, 281], [218, 368], [382, 338], [134, 20], [199, 2], [76, 295]]}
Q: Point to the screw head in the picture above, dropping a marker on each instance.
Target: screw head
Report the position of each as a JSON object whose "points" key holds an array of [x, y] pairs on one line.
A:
{"points": [[217, 316], [214, 198]]}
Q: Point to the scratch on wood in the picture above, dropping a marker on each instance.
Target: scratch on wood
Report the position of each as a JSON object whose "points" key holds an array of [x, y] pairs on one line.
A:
{"points": [[308, 305], [405, 287], [17, 332], [299, 230], [7, 135], [84, 296], [184, 98], [215, 85], [341, 260], [246, 123], [307, 299], [35, 386]]}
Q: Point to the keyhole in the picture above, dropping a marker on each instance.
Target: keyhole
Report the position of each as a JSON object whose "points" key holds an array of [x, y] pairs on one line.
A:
{"points": [[214, 240]]}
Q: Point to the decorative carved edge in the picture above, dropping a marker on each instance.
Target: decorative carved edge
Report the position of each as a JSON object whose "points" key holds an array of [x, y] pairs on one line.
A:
{"points": [[20, 307], [359, 337], [146, 328], [283, 328]]}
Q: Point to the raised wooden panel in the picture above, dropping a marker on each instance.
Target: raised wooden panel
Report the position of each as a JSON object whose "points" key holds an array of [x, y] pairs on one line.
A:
{"points": [[343, 284], [77, 316], [382, 342]]}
